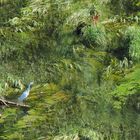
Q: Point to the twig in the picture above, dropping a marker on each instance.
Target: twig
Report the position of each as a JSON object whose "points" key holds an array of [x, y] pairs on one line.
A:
{"points": [[10, 103]]}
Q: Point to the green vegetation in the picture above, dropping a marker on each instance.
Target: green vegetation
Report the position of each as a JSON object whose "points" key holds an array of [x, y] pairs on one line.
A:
{"points": [[86, 76]]}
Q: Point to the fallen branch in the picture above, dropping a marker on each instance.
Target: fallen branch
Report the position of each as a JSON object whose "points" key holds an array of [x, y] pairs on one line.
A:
{"points": [[10, 103]]}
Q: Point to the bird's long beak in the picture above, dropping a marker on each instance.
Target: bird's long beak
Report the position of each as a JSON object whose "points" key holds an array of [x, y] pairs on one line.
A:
{"points": [[31, 83]]}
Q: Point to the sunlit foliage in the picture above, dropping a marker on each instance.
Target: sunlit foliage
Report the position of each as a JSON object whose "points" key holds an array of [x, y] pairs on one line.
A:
{"points": [[86, 76]]}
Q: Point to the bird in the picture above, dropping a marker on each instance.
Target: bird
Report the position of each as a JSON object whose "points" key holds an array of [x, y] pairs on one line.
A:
{"points": [[25, 94]]}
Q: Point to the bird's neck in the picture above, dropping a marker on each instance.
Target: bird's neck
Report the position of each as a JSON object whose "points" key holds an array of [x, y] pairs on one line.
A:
{"points": [[29, 87]]}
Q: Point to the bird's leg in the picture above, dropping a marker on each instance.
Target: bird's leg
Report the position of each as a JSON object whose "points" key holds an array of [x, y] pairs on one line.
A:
{"points": [[20, 102]]}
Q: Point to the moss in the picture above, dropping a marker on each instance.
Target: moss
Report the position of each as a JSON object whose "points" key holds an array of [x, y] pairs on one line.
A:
{"points": [[129, 86]]}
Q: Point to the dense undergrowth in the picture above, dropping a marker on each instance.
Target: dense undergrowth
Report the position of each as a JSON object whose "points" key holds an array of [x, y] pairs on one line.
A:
{"points": [[86, 76]]}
